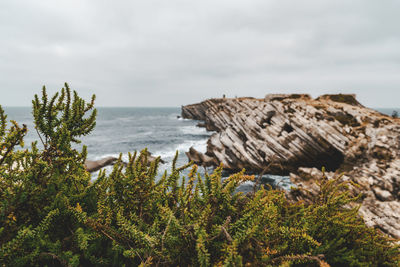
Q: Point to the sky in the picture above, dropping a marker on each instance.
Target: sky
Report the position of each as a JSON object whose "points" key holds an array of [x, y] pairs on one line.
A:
{"points": [[177, 52]]}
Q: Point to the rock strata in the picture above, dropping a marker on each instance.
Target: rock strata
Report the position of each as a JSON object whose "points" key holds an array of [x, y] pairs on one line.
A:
{"points": [[297, 135]]}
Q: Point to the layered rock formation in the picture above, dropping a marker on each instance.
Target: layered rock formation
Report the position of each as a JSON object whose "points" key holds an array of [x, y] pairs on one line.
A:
{"points": [[298, 135]]}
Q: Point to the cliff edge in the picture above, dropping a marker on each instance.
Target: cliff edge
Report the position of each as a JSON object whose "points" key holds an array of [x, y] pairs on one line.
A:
{"points": [[296, 135]]}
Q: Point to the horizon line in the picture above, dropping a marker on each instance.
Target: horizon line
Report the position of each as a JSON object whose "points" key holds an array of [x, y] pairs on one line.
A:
{"points": [[105, 106], [4, 106]]}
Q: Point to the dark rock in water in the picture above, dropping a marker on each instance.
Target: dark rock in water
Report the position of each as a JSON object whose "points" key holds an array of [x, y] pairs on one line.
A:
{"points": [[95, 165], [151, 158], [297, 135], [200, 158]]}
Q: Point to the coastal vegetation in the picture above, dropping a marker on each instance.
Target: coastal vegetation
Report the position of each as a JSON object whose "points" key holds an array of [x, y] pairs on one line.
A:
{"points": [[52, 213]]}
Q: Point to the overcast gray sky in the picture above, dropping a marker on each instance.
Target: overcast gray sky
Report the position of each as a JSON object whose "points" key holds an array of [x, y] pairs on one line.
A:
{"points": [[175, 52]]}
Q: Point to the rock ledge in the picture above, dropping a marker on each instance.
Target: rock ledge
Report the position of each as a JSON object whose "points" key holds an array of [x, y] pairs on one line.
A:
{"points": [[297, 135]]}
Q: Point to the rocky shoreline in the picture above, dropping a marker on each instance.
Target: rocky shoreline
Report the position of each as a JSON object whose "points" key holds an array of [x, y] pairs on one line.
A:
{"points": [[296, 135], [95, 165]]}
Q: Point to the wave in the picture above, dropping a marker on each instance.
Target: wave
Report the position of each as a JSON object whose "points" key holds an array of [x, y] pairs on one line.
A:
{"points": [[194, 130], [183, 119], [199, 145], [166, 154]]}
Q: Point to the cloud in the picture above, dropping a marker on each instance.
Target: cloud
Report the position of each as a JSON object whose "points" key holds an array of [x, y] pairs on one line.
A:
{"points": [[169, 53]]}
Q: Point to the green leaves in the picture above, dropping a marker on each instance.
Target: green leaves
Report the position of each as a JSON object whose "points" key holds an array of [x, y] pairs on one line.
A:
{"points": [[63, 120], [202, 221], [9, 138], [36, 186]]}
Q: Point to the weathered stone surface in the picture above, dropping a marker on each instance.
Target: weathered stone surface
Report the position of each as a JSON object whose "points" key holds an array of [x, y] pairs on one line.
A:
{"points": [[95, 165], [200, 158], [297, 135], [151, 158]]}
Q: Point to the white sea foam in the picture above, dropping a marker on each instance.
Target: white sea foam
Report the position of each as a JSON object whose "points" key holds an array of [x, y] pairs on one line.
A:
{"points": [[167, 154], [199, 145], [194, 130]]}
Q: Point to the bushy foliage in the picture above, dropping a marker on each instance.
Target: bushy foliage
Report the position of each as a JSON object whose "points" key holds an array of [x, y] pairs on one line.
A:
{"points": [[52, 214]]}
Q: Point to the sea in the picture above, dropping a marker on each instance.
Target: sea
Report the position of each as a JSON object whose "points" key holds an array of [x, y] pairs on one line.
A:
{"points": [[161, 130]]}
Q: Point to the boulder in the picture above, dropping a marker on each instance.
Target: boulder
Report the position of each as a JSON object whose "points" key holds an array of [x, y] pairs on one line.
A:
{"points": [[200, 158], [95, 165], [151, 158]]}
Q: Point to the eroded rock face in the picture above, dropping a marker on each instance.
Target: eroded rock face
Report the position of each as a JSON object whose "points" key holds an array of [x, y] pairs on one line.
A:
{"points": [[200, 158], [95, 165], [296, 135]]}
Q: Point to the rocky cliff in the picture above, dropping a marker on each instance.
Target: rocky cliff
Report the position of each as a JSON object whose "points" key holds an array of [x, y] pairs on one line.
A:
{"points": [[297, 135]]}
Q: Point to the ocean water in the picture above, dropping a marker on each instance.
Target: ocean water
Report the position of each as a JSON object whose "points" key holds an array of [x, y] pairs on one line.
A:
{"points": [[123, 130], [388, 111]]}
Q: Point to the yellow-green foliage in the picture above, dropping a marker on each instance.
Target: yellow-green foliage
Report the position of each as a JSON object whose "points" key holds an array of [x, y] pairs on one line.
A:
{"points": [[52, 214]]}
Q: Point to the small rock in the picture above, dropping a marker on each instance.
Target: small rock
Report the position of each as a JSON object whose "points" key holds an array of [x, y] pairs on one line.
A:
{"points": [[95, 165], [382, 195]]}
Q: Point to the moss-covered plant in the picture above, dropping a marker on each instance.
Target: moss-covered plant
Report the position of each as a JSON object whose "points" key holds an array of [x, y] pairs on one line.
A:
{"points": [[52, 214]]}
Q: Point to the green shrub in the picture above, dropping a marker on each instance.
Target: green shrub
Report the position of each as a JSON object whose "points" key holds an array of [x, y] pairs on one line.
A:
{"points": [[341, 98], [52, 214]]}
